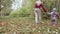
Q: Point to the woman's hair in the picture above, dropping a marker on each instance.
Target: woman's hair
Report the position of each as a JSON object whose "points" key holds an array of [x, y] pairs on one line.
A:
{"points": [[40, 0]]}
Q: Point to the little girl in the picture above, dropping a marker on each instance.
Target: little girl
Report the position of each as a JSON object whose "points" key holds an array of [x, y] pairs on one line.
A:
{"points": [[54, 15]]}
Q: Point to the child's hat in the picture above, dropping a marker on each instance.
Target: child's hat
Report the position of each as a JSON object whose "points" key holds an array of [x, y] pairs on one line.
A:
{"points": [[54, 8]]}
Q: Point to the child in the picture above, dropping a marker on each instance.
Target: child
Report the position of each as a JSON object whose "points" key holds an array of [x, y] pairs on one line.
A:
{"points": [[54, 14]]}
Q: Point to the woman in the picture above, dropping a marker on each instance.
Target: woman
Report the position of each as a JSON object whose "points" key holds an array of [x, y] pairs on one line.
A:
{"points": [[38, 5]]}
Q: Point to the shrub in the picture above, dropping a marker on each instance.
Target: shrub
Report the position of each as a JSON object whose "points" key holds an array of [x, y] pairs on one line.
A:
{"points": [[20, 13]]}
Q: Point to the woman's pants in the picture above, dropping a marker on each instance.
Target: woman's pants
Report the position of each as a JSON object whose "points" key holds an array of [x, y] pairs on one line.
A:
{"points": [[37, 15]]}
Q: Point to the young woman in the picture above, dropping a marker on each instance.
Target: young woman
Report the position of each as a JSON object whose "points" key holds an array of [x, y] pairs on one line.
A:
{"points": [[38, 5]]}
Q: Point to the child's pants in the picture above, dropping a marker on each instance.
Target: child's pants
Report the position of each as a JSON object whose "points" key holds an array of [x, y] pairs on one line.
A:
{"points": [[54, 20], [37, 15]]}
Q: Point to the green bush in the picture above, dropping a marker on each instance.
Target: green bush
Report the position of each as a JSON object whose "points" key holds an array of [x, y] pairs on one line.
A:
{"points": [[14, 14], [20, 13]]}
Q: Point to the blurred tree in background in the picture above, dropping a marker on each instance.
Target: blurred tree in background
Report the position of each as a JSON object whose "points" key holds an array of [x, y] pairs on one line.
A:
{"points": [[5, 7]]}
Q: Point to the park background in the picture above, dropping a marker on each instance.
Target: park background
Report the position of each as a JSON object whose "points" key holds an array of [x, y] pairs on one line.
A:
{"points": [[17, 17]]}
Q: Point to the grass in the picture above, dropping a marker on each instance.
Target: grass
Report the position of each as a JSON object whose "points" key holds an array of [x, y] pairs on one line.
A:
{"points": [[27, 25]]}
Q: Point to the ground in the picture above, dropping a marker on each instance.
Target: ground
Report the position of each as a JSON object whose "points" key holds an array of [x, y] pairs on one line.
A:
{"points": [[26, 25]]}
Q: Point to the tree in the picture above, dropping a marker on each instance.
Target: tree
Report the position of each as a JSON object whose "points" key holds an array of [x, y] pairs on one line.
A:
{"points": [[5, 7]]}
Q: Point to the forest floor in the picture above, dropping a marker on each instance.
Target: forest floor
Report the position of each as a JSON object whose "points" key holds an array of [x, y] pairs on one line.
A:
{"points": [[27, 26]]}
